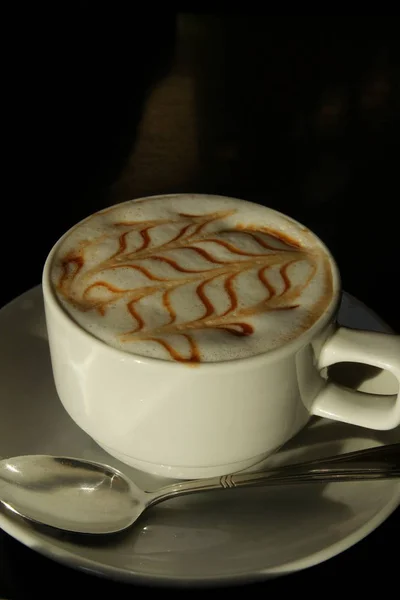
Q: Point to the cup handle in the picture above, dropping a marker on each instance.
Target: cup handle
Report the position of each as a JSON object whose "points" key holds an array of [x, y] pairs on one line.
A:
{"points": [[335, 402]]}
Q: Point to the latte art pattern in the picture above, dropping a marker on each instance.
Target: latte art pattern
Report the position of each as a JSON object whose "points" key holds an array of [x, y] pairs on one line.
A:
{"points": [[189, 286]]}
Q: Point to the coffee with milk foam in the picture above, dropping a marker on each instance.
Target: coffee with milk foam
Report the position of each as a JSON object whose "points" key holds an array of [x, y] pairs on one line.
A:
{"points": [[192, 278]]}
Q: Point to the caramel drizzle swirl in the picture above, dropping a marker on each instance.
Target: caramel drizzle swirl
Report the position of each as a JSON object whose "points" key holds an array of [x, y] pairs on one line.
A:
{"points": [[189, 234]]}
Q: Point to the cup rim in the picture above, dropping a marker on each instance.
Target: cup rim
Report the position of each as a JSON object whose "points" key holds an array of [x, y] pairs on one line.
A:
{"points": [[268, 356]]}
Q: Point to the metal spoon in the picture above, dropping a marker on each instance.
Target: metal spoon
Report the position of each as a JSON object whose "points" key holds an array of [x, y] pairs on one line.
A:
{"points": [[87, 497]]}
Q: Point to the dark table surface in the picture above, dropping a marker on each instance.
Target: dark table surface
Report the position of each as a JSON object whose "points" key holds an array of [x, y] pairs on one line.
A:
{"points": [[299, 113]]}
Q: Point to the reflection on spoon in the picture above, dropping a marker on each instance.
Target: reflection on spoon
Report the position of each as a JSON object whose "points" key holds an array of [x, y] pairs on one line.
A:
{"points": [[86, 497]]}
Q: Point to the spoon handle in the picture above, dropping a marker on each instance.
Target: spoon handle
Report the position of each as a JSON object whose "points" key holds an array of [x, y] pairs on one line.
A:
{"points": [[382, 462]]}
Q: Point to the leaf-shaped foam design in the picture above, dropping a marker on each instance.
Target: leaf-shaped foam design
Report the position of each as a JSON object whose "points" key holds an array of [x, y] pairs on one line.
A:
{"points": [[159, 261]]}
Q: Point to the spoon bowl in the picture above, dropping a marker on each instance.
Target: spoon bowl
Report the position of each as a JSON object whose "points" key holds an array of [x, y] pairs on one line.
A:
{"points": [[82, 496], [71, 494]]}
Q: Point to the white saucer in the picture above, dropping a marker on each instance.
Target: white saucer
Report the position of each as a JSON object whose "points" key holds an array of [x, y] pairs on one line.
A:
{"points": [[217, 538]]}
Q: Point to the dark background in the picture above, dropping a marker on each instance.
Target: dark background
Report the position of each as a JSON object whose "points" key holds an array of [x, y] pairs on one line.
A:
{"points": [[301, 113]]}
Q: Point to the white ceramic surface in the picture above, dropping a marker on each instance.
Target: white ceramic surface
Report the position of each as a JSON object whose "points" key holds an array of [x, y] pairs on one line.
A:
{"points": [[221, 538], [177, 420]]}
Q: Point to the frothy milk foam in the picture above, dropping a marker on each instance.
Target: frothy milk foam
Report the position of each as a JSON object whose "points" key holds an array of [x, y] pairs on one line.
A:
{"points": [[192, 278]]}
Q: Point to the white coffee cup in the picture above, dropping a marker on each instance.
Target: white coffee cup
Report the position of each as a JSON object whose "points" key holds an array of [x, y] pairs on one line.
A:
{"points": [[174, 420]]}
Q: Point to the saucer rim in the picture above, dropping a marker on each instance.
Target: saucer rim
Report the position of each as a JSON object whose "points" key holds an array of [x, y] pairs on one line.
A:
{"points": [[87, 565]]}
